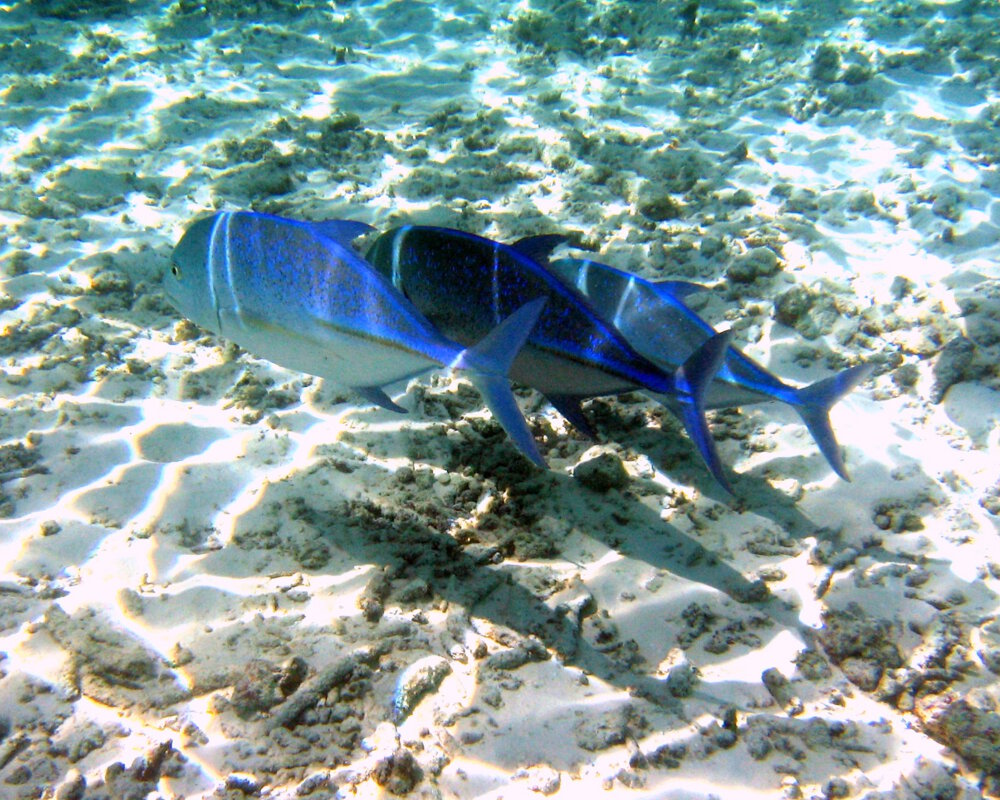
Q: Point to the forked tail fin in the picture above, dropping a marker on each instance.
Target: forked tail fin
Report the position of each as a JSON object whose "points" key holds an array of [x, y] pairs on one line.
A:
{"points": [[814, 402], [691, 381], [486, 364]]}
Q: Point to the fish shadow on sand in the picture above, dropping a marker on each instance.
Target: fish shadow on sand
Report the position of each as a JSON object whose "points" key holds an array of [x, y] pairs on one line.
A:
{"points": [[406, 538], [379, 527]]}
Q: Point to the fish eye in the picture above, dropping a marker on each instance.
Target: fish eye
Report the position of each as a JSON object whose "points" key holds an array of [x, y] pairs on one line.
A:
{"points": [[175, 270]]}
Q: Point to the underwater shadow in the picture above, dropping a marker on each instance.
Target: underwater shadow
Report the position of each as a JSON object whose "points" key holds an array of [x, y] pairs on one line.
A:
{"points": [[375, 529]]}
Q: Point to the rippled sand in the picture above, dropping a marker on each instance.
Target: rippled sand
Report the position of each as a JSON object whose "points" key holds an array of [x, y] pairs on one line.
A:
{"points": [[220, 578]]}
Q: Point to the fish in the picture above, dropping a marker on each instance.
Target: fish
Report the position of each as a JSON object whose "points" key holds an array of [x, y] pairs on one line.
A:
{"points": [[464, 284], [654, 318], [297, 294]]}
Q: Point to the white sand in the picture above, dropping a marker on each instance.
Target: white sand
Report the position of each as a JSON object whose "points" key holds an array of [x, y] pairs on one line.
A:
{"points": [[175, 509]]}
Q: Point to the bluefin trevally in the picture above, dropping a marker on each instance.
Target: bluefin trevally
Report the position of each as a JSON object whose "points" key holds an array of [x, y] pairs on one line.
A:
{"points": [[653, 316], [464, 284], [297, 294]]}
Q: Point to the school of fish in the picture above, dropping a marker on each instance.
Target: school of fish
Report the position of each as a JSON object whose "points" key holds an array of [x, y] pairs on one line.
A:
{"points": [[300, 295]]}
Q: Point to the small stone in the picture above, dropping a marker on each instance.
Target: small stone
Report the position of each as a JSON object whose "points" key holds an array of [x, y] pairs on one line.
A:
{"points": [[602, 473], [906, 376], [836, 788], [243, 783], [292, 673], [790, 788], [901, 287], [947, 203], [710, 245], [682, 676], [256, 690], [372, 597], [541, 779], [790, 306], [777, 685], [951, 365], [657, 205], [398, 773], [862, 672], [969, 724], [756, 262], [73, 788], [861, 200], [852, 633], [110, 282], [826, 64], [604, 730], [418, 680], [342, 122], [856, 74], [417, 589], [179, 655]]}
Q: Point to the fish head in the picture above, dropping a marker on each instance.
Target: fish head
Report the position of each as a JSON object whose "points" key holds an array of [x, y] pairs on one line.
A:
{"points": [[188, 281]]}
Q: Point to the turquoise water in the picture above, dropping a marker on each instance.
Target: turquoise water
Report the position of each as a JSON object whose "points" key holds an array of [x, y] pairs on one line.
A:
{"points": [[192, 540]]}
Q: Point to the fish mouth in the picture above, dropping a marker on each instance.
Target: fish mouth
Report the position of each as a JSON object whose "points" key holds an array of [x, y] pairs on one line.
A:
{"points": [[171, 298]]}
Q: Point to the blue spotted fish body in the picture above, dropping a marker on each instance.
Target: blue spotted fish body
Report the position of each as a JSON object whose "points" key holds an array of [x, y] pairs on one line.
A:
{"points": [[464, 283], [296, 294], [653, 316]]}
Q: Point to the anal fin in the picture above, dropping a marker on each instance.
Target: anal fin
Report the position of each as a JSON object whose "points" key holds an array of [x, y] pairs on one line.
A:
{"points": [[692, 380], [375, 395], [569, 407], [486, 365]]}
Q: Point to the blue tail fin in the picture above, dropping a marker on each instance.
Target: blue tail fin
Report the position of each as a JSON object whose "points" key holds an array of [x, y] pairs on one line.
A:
{"points": [[691, 381], [814, 402], [486, 365]]}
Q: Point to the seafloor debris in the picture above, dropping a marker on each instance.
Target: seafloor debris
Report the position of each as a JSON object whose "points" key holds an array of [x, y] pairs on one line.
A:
{"points": [[418, 680], [951, 366]]}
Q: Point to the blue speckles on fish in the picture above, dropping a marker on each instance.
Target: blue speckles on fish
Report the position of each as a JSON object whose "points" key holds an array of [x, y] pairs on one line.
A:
{"points": [[296, 294], [463, 283], [655, 319]]}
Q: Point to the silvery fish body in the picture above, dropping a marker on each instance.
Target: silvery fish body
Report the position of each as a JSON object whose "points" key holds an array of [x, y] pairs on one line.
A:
{"points": [[296, 294], [464, 283], [653, 316]]}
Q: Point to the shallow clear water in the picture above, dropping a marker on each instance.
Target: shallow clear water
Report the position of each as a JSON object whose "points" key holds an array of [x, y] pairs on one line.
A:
{"points": [[181, 521]]}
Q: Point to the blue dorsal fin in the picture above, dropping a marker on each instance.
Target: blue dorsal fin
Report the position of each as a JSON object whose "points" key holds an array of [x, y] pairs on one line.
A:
{"points": [[342, 231], [692, 380], [569, 407], [539, 248], [676, 290], [814, 402], [375, 395], [486, 365]]}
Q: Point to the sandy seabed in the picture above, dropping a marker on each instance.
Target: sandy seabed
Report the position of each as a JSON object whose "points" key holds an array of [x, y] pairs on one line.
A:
{"points": [[222, 579]]}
